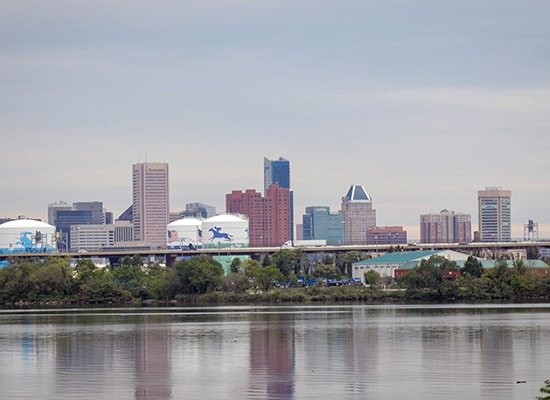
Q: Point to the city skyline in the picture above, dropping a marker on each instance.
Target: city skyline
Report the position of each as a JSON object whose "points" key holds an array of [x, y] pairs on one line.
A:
{"points": [[423, 103]]}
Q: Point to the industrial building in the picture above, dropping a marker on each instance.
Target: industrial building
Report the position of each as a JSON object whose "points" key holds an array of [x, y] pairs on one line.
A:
{"points": [[27, 236], [184, 233]]}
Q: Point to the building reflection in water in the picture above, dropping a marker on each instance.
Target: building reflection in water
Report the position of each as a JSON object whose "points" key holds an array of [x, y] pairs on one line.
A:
{"points": [[272, 357], [152, 363], [103, 358]]}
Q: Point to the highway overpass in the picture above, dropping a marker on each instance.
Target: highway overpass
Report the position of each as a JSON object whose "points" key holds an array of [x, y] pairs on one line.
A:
{"points": [[170, 256]]}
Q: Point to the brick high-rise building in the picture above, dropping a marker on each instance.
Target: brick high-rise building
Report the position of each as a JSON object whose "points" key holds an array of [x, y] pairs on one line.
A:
{"points": [[150, 203], [445, 227], [277, 172], [268, 216]]}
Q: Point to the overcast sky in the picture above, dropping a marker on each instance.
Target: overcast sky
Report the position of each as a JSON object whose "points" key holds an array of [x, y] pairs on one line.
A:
{"points": [[422, 102]]}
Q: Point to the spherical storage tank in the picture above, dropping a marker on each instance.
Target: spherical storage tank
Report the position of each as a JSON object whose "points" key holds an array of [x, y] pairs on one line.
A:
{"points": [[27, 236], [225, 231], [184, 233]]}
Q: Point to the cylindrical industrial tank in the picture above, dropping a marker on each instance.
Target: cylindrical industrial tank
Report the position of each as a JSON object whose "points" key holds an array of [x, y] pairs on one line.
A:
{"points": [[27, 236], [226, 230], [185, 233]]}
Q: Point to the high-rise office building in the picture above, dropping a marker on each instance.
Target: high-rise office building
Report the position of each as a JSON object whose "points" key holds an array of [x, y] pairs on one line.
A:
{"points": [[318, 223], [268, 216], [151, 211], [494, 211], [277, 172], [96, 208], [65, 219], [445, 227], [53, 208], [358, 215]]}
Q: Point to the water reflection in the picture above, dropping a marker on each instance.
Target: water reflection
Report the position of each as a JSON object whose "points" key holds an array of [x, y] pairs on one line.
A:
{"points": [[272, 358], [86, 354], [349, 352]]}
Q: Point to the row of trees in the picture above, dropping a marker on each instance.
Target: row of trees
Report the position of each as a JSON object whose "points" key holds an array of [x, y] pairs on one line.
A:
{"points": [[54, 279], [436, 278]]}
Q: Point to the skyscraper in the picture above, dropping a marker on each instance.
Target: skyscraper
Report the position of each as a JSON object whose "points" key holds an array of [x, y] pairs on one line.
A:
{"points": [[150, 203], [277, 172], [53, 208], [358, 215], [494, 210], [268, 217], [96, 207]]}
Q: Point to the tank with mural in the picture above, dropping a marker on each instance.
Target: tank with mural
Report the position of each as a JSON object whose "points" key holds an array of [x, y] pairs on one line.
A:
{"points": [[27, 236], [225, 231], [185, 233]]}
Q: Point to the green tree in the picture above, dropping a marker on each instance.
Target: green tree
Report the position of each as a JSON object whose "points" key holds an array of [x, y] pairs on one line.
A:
{"points": [[136, 261], [235, 265], [237, 282], [519, 266], [372, 277], [264, 277], [496, 280], [328, 259], [472, 267], [199, 275], [131, 277], [433, 276], [545, 390], [287, 261], [163, 283], [84, 269], [52, 280], [344, 261], [249, 265], [16, 281], [103, 288], [327, 271]]}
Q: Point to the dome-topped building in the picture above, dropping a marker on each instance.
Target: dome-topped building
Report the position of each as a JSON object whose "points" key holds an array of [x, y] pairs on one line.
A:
{"points": [[27, 236], [226, 230], [185, 233], [358, 215]]}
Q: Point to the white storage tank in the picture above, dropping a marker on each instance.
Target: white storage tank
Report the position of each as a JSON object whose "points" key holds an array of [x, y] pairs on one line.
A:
{"points": [[226, 230], [27, 236], [185, 233]]}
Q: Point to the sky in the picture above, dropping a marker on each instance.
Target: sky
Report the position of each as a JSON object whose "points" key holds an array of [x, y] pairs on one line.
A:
{"points": [[422, 102]]}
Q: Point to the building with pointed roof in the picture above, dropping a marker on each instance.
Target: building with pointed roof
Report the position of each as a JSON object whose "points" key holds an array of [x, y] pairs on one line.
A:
{"points": [[358, 215]]}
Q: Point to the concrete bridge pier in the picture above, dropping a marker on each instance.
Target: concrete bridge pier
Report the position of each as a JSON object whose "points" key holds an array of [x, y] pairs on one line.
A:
{"points": [[171, 260]]}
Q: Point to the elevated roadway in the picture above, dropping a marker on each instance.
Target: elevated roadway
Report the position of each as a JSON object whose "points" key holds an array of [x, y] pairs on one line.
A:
{"points": [[170, 256]]}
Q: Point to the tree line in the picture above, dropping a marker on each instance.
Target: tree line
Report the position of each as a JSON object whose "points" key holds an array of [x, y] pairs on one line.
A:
{"points": [[202, 278]]}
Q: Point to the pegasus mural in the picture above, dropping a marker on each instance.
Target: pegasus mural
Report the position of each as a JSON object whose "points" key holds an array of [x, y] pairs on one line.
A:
{"points": [[218, 234]]}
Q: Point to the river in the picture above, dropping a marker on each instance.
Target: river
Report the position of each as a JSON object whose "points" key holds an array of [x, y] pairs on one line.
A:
{"points": [[413, 352]]}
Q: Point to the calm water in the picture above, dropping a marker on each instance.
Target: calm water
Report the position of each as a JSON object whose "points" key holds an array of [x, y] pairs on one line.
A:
{"points": [[297, 352]]}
